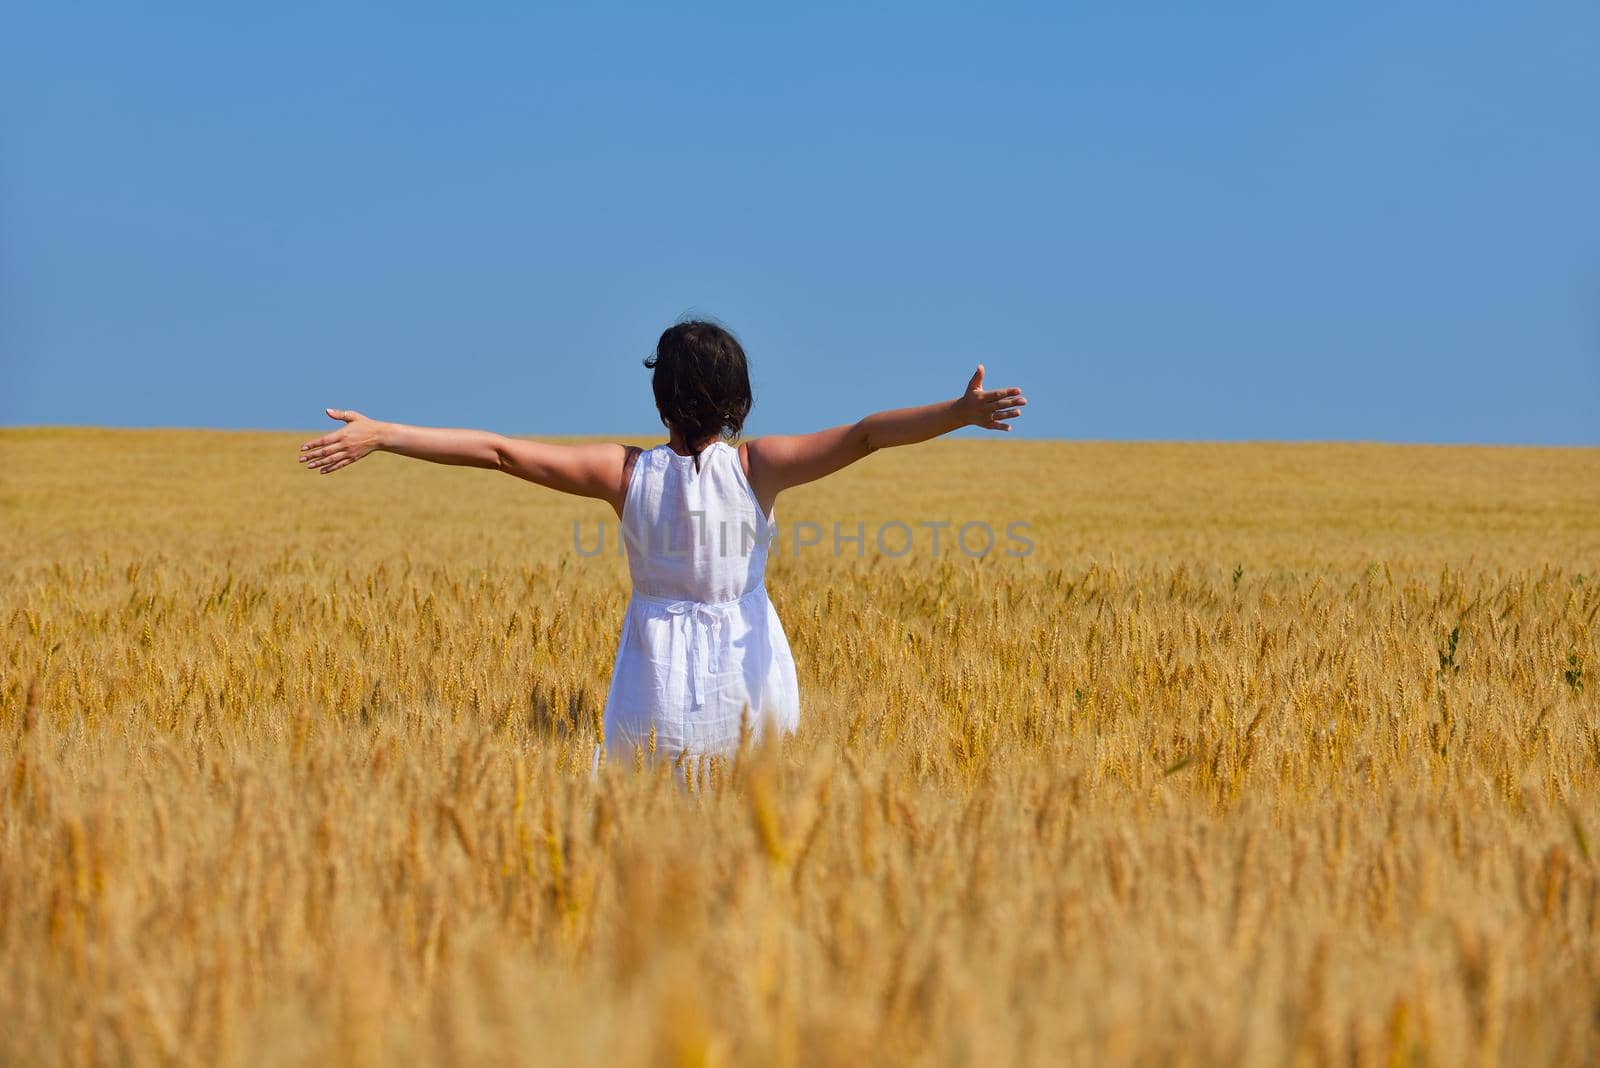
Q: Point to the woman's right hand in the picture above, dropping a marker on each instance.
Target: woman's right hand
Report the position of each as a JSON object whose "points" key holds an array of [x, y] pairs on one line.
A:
{"points": [[989, 408], [358, 437]]}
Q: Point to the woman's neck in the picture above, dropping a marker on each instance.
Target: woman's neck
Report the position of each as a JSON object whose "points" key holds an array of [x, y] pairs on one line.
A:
{"points": [[679, 446]]}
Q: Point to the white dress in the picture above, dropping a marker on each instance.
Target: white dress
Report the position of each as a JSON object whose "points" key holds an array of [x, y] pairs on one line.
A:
{"points": [[700, 643]]}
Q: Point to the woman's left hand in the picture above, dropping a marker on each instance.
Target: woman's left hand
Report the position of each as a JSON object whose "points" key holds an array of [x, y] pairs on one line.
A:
{"points": [[358, 437]]}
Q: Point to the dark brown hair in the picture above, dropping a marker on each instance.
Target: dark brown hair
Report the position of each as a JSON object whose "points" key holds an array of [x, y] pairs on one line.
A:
{"points": [[701, 381]]}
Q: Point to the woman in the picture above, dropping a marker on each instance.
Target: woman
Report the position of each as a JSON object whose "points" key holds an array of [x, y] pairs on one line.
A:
{"points": [[702, 650]]}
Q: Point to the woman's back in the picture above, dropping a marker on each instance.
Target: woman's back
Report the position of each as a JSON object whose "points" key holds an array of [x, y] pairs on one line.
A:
{"points": [[702, 653], [692, 527]]}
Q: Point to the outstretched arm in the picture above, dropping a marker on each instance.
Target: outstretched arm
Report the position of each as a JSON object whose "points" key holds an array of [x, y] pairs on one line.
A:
{"points": [[588, 470], [776, 463]]}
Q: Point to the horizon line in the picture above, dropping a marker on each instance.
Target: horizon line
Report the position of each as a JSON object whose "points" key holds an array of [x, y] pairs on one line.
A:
{"points": [[7, 428]]}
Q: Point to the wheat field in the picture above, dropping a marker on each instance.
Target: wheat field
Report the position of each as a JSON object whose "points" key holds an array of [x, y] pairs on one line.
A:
{"points": [[1264, 755]]}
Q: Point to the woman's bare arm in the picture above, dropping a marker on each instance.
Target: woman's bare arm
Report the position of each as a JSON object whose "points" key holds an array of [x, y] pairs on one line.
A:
{"points": [[776, 463], [587, 470]]}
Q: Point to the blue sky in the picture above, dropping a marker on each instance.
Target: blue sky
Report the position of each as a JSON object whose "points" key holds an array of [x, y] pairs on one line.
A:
{"points": [[1354, 221]]}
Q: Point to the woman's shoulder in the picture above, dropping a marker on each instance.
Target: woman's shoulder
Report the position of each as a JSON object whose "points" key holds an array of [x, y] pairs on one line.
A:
{"points": [[653, 454], [654, 457]]}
